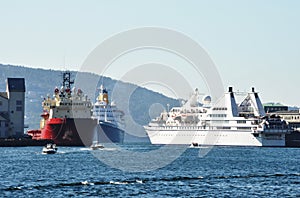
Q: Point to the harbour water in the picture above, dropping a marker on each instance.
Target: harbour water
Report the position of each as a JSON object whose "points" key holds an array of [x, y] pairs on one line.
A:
{"points": [[223, 172]]}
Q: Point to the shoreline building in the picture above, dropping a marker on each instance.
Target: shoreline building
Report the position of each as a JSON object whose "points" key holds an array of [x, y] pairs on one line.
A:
{"points": [[275, 107], [12, 108], [292, 117]]}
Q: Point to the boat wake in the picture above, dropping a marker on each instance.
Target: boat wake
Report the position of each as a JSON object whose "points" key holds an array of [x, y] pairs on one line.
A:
{"points": [[85, 149], [135, 181]]}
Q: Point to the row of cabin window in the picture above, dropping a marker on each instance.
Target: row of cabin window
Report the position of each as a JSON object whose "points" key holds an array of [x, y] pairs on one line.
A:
{"points": [[220, 108], [187, 111], [292, 117], [108, 115], [103, 111], [227, 121], [217, 115], [81, 104]]}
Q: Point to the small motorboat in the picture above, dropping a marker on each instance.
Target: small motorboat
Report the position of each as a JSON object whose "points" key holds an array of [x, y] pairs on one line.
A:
{"points": [[96, 146], [194, 144], [197, 145], [49, 149]]}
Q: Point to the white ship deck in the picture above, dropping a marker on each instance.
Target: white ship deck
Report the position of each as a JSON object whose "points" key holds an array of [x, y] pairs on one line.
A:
{"points": [[225, 124]]}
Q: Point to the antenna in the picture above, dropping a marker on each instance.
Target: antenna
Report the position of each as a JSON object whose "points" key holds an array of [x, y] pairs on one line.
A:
{"points": [[64, 61], [102, 80]]}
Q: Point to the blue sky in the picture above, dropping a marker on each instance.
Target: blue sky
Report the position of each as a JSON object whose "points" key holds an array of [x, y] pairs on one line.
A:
{"points": [[253, 43]]}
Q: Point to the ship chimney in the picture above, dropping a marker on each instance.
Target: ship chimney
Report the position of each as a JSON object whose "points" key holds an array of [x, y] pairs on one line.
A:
{"points": [[230, 89], [253, 90]]}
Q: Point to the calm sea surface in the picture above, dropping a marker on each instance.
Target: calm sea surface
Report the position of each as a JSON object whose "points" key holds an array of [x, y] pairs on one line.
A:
{"points": [[223, 172]]}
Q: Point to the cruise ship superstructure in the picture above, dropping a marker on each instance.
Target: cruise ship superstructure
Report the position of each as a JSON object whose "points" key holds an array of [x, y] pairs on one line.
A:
{"points": [[224, 123]]}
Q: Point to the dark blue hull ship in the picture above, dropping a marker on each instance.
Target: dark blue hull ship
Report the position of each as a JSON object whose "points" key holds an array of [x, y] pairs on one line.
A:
{"points": [[109, 133], [110, 119]]}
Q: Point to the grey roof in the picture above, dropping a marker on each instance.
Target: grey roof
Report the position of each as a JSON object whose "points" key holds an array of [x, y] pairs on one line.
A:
{"points": [[3, 94], [16, 84], [287, 112]]}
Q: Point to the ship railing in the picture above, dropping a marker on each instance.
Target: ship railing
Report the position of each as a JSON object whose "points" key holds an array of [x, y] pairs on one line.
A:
{"points": [[180, 127]]}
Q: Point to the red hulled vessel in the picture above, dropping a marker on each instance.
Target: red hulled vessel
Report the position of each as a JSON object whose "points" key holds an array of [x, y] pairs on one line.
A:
{"points": [[66, 118]]}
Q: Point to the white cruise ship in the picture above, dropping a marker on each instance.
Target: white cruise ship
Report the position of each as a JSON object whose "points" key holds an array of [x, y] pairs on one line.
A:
{"points": [[224, 123]]}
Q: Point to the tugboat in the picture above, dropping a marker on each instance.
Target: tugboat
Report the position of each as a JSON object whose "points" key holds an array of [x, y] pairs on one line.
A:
{"points": [[66, 118], [110, 119], [49, 149]]}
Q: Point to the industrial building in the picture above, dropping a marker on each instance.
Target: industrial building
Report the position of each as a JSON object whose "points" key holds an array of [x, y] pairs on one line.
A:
{"points": [[12, 108]]}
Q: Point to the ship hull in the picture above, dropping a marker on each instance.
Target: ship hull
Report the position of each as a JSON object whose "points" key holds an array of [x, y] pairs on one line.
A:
{"points": [[109, 133], [210, 137], [70, 131]]}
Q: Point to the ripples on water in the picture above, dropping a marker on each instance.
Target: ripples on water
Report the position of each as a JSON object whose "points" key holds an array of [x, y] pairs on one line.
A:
{"points": [[224, 172]]}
